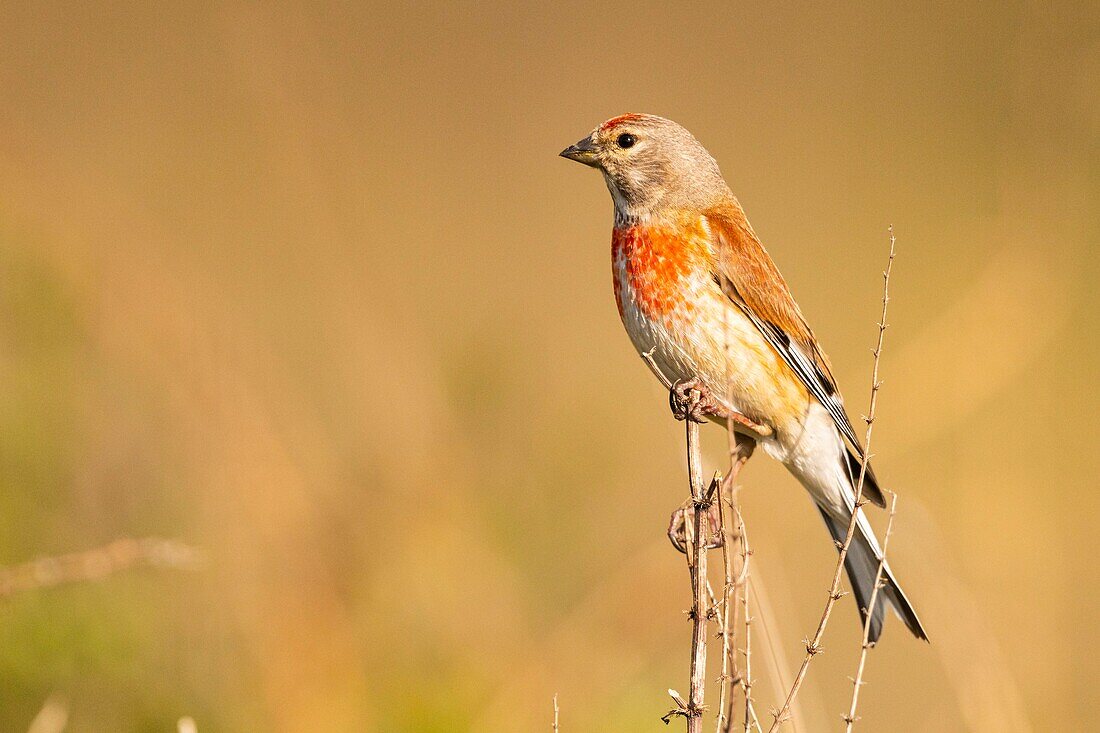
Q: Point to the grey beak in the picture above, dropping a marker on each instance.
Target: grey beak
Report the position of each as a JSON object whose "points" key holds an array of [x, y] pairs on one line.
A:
{"points": [[583, 151]]}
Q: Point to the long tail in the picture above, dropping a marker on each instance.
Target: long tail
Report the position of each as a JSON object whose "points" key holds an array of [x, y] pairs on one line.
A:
{"points": [[862, 566]]}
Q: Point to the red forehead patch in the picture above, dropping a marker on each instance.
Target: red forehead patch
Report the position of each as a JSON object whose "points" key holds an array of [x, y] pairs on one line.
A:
{"points": [[616, 121]]}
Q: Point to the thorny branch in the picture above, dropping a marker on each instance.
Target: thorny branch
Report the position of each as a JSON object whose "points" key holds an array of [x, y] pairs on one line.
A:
{"points": [[740, 449], [850, 718], [813, 646], [731, 591], [735, 589], [686, 406], [750, 719], [698, 566], [686, 401]]}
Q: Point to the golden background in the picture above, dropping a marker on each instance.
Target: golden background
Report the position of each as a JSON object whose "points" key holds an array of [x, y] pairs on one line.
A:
{"points": [[308, 288]]}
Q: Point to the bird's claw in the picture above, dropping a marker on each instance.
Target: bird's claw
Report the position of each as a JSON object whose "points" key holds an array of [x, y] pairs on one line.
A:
{"points": [[691, 400], [681, 527]]}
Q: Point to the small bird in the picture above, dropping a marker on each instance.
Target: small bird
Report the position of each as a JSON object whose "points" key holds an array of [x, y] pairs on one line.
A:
{"points": [[703, 301]]}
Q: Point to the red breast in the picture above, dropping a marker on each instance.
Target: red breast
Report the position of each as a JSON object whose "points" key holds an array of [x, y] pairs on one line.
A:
{"points": [[657, 261]]}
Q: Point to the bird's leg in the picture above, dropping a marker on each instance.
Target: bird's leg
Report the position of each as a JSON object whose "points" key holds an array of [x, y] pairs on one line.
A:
{"points": [[692, 400], [678, 527], [681, 525], [741, 449]]}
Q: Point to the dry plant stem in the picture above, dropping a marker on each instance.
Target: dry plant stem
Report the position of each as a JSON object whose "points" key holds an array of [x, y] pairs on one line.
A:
{"points": [[740, 450], [850, 718], [729, 658], [96, 564], [813, 646], [779, 668], [729, 652], [750, 719], [555, 728], [698, 562]]}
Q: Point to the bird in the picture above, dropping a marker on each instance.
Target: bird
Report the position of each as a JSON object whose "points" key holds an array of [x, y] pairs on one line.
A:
{"points": [[704, 303]]}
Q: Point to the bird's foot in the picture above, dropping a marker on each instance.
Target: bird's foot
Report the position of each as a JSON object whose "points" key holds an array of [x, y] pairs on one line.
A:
{"points": [[692, 400], [681, 526]]}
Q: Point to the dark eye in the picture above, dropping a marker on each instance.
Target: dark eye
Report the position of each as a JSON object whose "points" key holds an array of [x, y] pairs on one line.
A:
{"points": [[626, 140]]}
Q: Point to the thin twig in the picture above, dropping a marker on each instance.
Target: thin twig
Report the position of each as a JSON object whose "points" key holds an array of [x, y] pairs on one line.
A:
{"points": [[647, 357], [850, 718], [685, 406], [813, 646], [96, 564], [680, 709], [779, 667], [555, 728], [698, 564], [746, 683], [730, 674], [740, 450]]}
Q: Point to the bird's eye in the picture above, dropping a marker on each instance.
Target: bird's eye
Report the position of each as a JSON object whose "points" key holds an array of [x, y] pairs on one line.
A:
{"points": [[626, 140]]}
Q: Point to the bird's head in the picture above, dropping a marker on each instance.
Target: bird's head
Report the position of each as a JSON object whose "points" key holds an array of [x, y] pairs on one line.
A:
{"points": [[652, 166]]}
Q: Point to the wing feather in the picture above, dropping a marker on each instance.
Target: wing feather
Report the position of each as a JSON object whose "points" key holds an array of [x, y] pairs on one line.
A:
{"points": [[752, 282]]}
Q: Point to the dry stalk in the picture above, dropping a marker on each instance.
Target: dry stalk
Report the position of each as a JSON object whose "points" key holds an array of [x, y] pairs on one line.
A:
{"points": [[696, 548], [96, 564], [778, 666], [740, 450], [698, 566], [813, 646], [704, 604], [730, 594], [850, 718], [696, 553], [750, 719], [730, 674], [733, 528], [555, 728]]}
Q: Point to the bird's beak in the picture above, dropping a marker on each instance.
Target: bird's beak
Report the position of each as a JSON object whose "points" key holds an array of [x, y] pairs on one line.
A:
{"points": [[583, 151]]}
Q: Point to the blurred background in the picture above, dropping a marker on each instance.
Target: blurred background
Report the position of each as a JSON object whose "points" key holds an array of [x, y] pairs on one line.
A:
{"points": [[307, 288]]}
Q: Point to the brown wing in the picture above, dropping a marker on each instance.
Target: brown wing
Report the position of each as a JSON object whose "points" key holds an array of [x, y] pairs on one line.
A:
{"points": [[752, 282]]}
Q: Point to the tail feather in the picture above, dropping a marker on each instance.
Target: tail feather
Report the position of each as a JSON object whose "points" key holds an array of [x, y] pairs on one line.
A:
{"points": [[862, 565]]}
